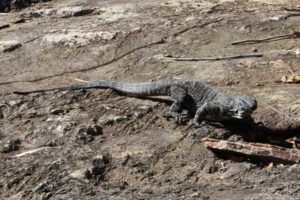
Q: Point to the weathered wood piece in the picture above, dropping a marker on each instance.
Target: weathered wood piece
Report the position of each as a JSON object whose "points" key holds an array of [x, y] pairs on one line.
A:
{"points": [[257, 151]]}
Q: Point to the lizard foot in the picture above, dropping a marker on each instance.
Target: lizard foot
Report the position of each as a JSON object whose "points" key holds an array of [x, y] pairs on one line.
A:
{"points": [[177, 116], [198, 125], [178, 119]]}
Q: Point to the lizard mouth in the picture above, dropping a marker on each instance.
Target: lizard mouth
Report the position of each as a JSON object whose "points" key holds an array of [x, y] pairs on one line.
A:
{"points": [[241, 115]]}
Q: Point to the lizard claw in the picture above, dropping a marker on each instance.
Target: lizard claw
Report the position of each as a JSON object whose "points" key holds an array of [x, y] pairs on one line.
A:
{"points": [[199, 125], [178, 119]]}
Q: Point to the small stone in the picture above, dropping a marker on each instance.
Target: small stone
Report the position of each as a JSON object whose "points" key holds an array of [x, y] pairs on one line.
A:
{"points": [[101, 139], [94, 130], [87, 134], [74, 11], [56, 111], [31, 113], [6, 46], [83, 137], [211, 168], [254, 49], [249, 166], [11, 145], [97, 172], [78, 174], [46, 196], [195, 194], [52, 143], [15, 102]]}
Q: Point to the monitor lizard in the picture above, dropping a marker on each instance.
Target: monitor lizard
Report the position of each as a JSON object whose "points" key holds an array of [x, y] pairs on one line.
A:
{"points": [[206, 102]]}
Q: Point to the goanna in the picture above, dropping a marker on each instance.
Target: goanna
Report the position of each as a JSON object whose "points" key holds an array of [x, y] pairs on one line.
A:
{"points": [[206, 102]]}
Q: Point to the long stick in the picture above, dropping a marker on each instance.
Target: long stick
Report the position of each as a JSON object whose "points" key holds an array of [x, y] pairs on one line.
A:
{"points": [[294, 34], [215, 58], [256, 151]]}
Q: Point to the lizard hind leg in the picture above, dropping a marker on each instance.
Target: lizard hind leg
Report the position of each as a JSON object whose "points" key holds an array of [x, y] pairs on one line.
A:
{"points": [[178, 94]]}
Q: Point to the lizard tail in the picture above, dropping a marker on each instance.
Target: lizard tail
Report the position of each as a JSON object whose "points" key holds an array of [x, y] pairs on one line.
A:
{"points": [[128, 88], [69, 87]]}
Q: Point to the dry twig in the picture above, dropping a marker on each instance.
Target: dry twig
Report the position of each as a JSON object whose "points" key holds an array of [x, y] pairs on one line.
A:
{"points": [[80, 80], [294, 34], [257, 151], [214, 58]]}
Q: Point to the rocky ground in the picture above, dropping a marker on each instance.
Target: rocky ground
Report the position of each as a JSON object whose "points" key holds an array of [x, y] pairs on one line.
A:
{"points": [[97, 144]]}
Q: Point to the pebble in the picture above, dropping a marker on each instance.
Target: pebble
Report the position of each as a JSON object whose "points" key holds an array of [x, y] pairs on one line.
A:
{"points": [[195, 194], [15, 102], [79, 174], [61, 13], [10, 145], [56, 111], [254, 49], [94, 130]]}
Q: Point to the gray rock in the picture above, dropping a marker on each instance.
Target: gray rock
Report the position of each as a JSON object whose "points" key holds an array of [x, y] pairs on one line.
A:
{"points": [[6, 46], [15, 102], [56, 111], [60, 13], [74, 11]]}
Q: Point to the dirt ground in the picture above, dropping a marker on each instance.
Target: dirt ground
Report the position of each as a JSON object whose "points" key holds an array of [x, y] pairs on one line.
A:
{"points": [[97, 144]]}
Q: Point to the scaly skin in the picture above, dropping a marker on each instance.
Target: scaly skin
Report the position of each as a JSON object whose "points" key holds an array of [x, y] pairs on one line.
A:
{"points": [[207, 102]]}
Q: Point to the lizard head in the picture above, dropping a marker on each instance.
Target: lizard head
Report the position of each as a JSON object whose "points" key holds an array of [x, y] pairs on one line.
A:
{"points": [[243, 107]]}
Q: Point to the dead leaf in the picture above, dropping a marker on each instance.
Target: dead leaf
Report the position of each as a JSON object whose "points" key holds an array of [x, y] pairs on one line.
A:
{"points": [[270, 166], [280, 64], [291, 79]]}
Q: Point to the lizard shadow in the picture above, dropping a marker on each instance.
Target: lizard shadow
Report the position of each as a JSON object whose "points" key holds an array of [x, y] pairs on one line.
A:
{"points": [[252, 131], [249, 130]]}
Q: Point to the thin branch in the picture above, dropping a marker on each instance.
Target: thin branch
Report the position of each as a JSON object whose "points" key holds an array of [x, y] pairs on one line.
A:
{"points": [[33, 39], [255, 151], [291, 9], [159, 41], [30, 152], [196, 26], [214, 58], [80, 80], [295, 34]]}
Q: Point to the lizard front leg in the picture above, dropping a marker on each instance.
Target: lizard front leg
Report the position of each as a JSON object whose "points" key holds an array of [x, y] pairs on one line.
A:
{"points": [[207, 109], [178, 94]]}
